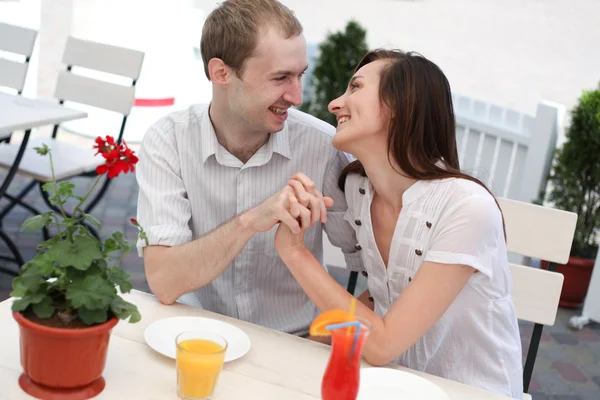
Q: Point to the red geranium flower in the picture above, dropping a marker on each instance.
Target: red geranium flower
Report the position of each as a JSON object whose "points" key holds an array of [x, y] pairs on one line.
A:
{"points": [[119, 158]]}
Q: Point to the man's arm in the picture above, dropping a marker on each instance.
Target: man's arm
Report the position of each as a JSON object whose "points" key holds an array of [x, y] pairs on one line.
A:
{"points": [[174, 271]]}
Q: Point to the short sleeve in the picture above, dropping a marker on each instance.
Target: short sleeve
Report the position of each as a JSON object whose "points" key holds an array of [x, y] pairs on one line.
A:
{"points": [[163, 208], [468, 234], [339, 231]]}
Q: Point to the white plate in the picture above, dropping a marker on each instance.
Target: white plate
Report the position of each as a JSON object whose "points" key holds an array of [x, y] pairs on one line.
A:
{"points": [[161, 334], [388, 384]]}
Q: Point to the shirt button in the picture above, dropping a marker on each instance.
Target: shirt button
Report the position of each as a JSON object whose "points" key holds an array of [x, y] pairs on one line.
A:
{"points": [[418, 252], [364, 273], [357, 222], [361, 191], [428, 224], [371, 299], [410, 278], [357, 246]]}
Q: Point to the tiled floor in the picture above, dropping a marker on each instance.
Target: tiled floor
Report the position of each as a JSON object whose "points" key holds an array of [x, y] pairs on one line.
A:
{"points": [[568, 362]]}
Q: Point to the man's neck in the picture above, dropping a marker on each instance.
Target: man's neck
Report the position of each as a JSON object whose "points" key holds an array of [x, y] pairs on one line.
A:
{"points": [[230, 133]]}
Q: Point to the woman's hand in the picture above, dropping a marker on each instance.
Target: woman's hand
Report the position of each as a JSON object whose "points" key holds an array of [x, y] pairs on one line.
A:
{"points": [[308, 206], [287, 242]]}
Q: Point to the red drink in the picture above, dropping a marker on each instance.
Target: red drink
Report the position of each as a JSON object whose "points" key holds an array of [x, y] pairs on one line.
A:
{"points": [[342, 376]]}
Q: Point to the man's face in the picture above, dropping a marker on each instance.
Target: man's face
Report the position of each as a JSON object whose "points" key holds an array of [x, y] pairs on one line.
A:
{"points": [[271, 82]]}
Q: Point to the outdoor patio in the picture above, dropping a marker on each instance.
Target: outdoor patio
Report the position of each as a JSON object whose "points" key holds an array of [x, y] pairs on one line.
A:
{"points": [[568, 362]]}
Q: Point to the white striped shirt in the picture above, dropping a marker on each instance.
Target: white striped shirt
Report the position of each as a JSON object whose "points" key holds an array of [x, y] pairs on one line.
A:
{"points": [[189, 184]]}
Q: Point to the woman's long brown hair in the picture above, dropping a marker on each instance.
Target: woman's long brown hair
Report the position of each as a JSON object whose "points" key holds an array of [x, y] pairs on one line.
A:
{"points": [[422, 127]]}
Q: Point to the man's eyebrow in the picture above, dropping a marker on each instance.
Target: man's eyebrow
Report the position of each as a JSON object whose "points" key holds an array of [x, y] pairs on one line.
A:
{"points": [[288, 72]]}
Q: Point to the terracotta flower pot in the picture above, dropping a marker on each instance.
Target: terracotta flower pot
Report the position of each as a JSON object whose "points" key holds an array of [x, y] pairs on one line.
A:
{"points": [[577, 273], [63, 363]]}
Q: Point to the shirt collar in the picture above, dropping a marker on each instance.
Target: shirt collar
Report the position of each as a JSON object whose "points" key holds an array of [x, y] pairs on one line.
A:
{"points": [[278, 142], [210, 144]]}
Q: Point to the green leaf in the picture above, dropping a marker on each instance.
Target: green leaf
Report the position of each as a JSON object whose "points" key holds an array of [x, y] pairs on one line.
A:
{"points": [[120, 239], [48, 244], [110, 245], [43, 263], [91, 317], [19, 288], [25, 301], [43, 150], [92, 293], [65, 189], [44, 309], [48, 187], [120, 278], [37, 222], [76, 275], [80, 254], [93, 221], [123, 310], [29, 281]]}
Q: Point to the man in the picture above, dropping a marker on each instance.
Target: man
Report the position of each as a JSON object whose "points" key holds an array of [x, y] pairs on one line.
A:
{"points": [[214, 179]]}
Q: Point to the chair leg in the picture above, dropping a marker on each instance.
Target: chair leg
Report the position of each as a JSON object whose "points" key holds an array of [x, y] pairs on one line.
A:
{"points": [[13, 249], [18, 200], [531, 355], [352, 282]]}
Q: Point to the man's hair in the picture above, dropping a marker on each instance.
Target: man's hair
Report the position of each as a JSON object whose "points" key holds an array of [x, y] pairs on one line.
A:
{"points": [[231, 30]]}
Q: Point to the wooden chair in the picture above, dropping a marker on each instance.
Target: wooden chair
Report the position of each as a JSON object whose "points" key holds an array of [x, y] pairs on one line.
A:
{"points": [[70, 159], [532, 231], [19, 42]]}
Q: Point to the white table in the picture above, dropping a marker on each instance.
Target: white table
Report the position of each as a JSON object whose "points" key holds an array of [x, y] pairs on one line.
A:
{"points": [[278, 366], [21, 113]]}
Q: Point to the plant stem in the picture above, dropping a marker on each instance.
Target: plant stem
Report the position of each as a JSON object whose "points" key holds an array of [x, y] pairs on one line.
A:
{"points": [[78, 206], [62, 209]]}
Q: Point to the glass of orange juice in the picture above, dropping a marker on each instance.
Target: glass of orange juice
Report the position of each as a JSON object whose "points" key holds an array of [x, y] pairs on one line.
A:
{"points": [[200, 357]]}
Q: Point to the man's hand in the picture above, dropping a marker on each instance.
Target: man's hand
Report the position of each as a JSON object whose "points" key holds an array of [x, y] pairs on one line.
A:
{"points": [[288, 207], [308, 196]]}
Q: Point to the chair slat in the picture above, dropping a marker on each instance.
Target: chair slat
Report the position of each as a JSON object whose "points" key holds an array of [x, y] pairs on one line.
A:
{"points": [[94, 92], [103, 57]]}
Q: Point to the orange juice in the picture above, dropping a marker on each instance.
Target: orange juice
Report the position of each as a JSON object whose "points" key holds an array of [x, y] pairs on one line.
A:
{"points": [[199, 362]]}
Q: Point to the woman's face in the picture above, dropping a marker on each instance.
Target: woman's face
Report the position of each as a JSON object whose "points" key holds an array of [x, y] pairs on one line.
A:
{"points": [[363, 120]]}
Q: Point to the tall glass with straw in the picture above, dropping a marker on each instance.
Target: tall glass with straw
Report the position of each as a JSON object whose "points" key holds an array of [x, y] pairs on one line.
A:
{"points": [[342, 375]]}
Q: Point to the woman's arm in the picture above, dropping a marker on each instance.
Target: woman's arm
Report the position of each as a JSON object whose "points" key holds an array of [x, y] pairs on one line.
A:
{"points": [[416, 310]]}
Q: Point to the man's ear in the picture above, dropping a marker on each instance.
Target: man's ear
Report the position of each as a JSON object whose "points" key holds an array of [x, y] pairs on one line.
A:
{"points": [[220, 74]]}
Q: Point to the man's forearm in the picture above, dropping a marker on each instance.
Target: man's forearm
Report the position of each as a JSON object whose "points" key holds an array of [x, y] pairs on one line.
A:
{"points": [[173, 271]]}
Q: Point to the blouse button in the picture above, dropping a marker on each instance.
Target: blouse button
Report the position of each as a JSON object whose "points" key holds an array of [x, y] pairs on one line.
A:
{"points": [[361, 191], [357, 222], [418, 252], [364, 273], [357, 247]]}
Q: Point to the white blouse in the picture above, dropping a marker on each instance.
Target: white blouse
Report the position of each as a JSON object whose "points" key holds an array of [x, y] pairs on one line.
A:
{"points": [[449, 221]]}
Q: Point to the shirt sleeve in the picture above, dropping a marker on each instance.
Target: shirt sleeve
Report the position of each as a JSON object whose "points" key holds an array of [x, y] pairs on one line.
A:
{"points": [[339, 231], [163, 209], [469, 234]]}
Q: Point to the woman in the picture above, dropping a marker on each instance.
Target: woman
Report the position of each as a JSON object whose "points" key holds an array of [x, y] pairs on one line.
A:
{"points": [[432, 238]]}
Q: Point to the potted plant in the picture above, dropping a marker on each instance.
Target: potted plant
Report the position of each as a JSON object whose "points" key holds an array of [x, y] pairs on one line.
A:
{"points": [[66, 297], [575, 185]]}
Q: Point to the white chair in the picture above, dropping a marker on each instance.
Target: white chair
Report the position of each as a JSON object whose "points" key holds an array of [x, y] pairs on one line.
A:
{"points": [[532, 231], [19, 42], [72, 160], [546, 234]]}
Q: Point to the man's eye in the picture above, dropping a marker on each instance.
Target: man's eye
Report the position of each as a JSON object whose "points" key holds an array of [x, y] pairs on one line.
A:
{"points": [[280, 78]]}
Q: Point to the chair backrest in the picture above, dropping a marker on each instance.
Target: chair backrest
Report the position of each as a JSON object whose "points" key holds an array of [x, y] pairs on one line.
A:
{"points": [[544, 233], [103, 58], [20, 41]]}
